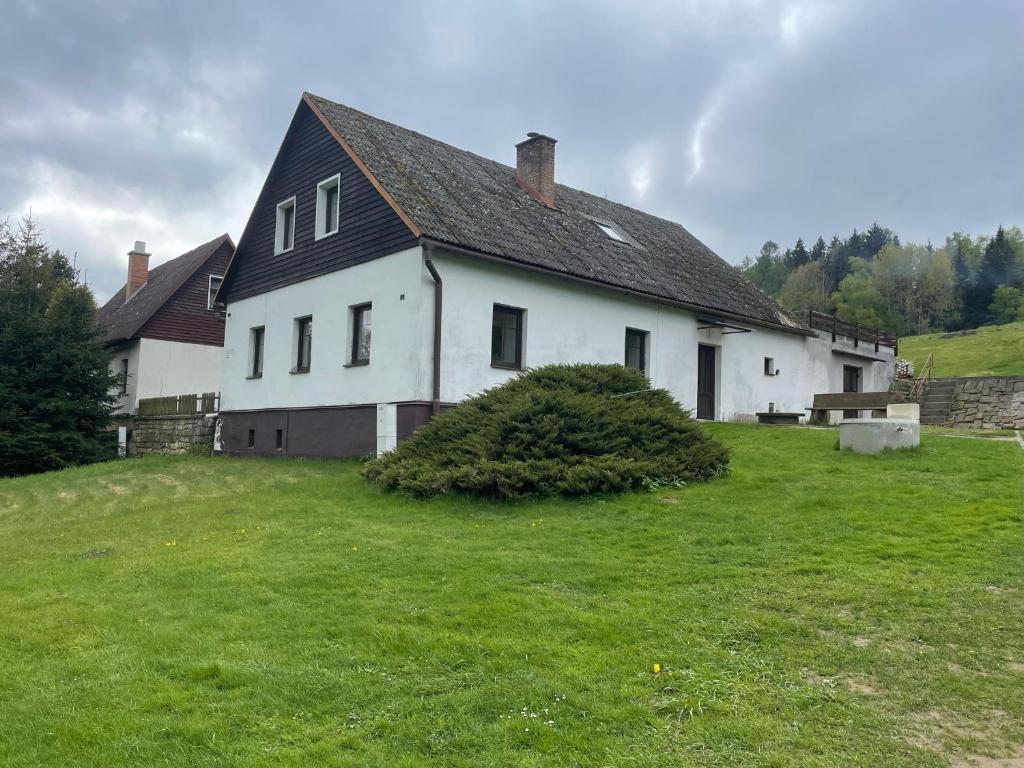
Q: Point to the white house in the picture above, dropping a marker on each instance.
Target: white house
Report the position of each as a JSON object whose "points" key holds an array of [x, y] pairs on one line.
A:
{"points": [[384, 275], [164, 334]]}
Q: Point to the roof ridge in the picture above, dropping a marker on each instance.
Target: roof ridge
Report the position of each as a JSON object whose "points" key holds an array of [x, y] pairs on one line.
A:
{"points": [[491, 160]]}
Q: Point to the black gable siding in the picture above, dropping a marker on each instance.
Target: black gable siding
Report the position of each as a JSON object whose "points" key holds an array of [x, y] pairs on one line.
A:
{"points": [[368, 227]]}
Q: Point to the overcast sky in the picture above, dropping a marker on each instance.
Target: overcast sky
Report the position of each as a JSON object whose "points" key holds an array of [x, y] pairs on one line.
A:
{"points": [[742, 120]]}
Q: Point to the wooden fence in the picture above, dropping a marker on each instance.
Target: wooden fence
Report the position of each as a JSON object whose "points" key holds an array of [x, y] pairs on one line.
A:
{"points": [[179, 405], [871, 335]]}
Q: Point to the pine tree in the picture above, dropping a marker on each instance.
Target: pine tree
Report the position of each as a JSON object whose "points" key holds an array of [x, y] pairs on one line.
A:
{"points": [[54, 376], [997, 262], [818, 250], [961, 285], [799, 254], [875, 239], [837, 263], [856, 246]]}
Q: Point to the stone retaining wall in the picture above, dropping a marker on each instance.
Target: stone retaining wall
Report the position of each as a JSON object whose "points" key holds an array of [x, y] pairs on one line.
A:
{"points": [[903, 386], [172, 434], [989, 402]]}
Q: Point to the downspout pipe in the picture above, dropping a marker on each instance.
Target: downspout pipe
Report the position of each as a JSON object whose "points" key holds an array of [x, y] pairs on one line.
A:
{"points": [[428, 262]]}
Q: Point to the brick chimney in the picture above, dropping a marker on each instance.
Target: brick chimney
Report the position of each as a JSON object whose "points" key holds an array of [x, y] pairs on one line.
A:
{"points": [[138, 269], [535, 167]]}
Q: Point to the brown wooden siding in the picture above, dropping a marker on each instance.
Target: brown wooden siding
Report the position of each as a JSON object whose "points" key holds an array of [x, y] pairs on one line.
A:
{"points": [[184, 317], [368, 228]]}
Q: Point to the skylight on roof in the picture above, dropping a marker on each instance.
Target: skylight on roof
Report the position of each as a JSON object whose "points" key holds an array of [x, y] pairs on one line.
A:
{"points": [[611, 232]]}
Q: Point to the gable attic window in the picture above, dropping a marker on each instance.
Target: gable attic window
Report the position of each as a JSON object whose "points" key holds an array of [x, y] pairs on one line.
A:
{"points": [[328, 193], [212, 288], [611, 232], [284, 234]]}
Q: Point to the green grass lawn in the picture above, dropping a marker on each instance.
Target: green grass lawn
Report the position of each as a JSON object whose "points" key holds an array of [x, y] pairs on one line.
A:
{"points": [[989, 350], [813, 608]]}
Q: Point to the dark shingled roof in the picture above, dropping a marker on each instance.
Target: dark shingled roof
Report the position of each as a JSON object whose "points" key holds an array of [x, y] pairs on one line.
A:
{"points": [[122, 320], [466, 200]]}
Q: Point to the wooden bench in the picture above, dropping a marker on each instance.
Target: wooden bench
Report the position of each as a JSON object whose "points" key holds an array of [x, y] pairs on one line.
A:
{"points": [[851, 401]]}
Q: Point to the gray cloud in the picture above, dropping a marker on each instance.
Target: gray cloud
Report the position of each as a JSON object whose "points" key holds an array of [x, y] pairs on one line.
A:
{"points": [[741, 119]]}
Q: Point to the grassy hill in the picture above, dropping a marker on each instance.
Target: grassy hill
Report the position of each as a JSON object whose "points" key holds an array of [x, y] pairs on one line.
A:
{"points": [[812, 608], [990, 350]]}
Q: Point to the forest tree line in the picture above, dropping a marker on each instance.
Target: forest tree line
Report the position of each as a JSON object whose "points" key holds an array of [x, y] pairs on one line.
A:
{"points": [[873, 278]]}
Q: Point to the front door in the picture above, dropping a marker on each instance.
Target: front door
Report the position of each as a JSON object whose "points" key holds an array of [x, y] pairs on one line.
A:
{"points": [[851, 383], [705, 382]]}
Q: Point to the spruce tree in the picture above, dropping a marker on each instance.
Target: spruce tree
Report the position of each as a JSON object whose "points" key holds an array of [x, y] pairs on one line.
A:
{"points": [[54, 377], [876, 238], [800, 256], [997, 262], [818, 250], [837, 263]]}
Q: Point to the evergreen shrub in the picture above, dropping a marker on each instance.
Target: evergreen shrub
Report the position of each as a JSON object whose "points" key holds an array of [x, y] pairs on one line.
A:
{"points": [[557, 430]]}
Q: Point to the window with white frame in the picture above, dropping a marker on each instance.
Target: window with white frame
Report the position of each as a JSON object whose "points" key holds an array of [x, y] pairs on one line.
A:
{"points": [[328, 194], [284, 234], [211, 292]]}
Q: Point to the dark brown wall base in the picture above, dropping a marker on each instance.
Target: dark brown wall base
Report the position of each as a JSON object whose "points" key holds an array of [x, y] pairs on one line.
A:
{"points": [[339, 431]]}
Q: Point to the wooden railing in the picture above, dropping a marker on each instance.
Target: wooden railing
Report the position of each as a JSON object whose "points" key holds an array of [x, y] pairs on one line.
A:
{"points": [[179, 405], [819, 321]]}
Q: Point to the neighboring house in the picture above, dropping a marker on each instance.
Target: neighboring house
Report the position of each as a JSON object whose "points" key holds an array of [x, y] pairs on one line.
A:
{"points": [[164, 334], [384, 275]]}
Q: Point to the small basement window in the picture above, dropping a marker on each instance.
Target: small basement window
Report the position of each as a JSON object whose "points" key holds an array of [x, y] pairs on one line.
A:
{"points": [[769, 366], [328, 193], [212, 288], [611, 232], [284, 234]]}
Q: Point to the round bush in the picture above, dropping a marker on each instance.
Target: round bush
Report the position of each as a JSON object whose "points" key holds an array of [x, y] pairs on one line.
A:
{"points": [[560, 429]]}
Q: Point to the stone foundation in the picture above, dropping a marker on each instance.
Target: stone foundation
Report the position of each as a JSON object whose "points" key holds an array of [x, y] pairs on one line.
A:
{"points": [[172, 435], [990, 402]]}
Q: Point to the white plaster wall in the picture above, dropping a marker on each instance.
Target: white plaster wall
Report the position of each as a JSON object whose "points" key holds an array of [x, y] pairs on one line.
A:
{"points": [[173, 368], [400, 367], [125, 403], [569, 322], [565, 322]]}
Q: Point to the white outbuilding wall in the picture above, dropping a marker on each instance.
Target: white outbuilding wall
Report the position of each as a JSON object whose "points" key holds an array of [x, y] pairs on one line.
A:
{"points": [[129, 351], [158, 368]]}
